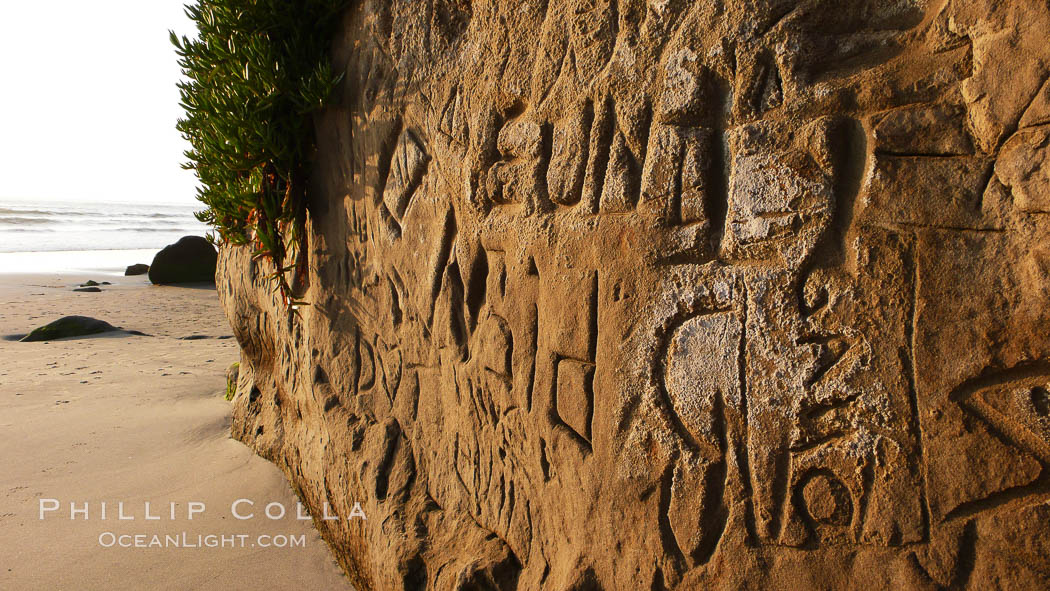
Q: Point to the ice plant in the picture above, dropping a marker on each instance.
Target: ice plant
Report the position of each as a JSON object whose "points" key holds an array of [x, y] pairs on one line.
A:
{"points": [[255, 73]]}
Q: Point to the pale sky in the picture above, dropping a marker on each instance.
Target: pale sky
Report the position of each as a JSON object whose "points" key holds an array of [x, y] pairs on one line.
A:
{"points": [[88, 101]]}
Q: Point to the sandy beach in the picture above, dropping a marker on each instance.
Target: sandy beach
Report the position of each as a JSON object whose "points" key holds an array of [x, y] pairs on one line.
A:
{"points": [[119, 418]]}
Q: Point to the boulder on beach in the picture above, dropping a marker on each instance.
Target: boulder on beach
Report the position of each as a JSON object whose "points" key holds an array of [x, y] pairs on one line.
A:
{"points": [[89, 283], [69, 326], [190, 260], [136, 269], [91, 289]]}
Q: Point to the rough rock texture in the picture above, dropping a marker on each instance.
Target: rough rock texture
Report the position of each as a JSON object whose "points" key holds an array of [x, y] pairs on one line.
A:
{"points": [[613, 294], [190, 260]]}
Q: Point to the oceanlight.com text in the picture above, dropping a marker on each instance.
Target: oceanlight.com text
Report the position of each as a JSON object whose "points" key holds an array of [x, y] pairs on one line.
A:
{"points": [[200, 541]]}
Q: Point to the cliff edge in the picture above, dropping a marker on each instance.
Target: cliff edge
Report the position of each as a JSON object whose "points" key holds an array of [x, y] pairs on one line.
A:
{"points": [[612, 294]]}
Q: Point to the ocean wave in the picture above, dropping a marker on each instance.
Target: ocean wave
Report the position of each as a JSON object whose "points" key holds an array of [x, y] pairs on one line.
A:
{"points": [[122, 215], [66, 218], [105, 233], [167, 229], [22, 211], [22, 221], [118, 227], [87, 207]]}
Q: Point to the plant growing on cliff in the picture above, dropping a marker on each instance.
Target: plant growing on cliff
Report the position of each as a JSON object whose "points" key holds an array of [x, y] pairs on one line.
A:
{"points": [[232, 375], [256, 72]]}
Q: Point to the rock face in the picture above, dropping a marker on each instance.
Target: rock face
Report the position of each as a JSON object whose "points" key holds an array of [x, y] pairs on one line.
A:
{"points": [[613, 295], [136, 269], [190, 260], [69, 326]]}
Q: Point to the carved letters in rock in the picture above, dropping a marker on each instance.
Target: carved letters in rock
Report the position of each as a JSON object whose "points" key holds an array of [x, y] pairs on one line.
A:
{"points": [[671, 295]]}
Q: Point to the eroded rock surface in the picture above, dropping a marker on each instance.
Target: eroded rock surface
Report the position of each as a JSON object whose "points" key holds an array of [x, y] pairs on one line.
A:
{"points": [[614, 294]]}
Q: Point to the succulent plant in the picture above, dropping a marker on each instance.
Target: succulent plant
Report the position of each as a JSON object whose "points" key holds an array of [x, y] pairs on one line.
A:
{"points": [[255, 73]]}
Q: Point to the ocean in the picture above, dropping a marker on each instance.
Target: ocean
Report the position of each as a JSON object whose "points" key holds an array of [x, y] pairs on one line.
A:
{"points": [[82, 237]]}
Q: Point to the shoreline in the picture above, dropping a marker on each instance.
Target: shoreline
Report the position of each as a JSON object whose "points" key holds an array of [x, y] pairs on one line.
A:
{"points": [[57, 263]]}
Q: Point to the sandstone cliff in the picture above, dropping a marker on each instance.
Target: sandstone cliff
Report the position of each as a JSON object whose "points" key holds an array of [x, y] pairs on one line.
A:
{"points": [[614, 294]]}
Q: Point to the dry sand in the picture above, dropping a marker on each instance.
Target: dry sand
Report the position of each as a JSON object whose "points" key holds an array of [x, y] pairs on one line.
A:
{"points": [[120, 418]]}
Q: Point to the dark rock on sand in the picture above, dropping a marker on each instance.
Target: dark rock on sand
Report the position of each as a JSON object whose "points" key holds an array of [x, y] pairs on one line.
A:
{"points": [[70, 326], [88, 289], [90, 283], [136, 269], [192, 259]]}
